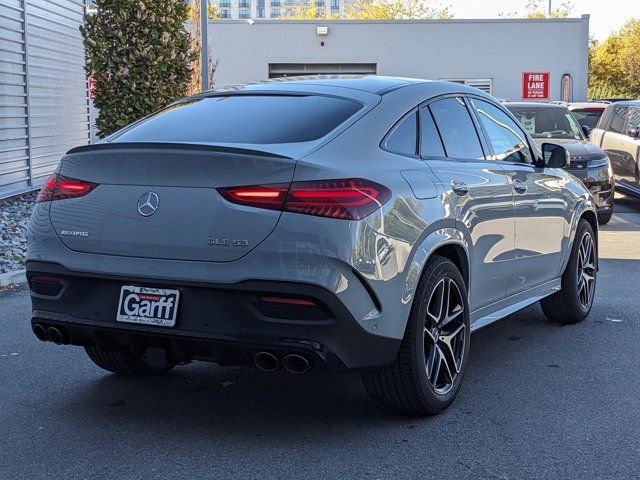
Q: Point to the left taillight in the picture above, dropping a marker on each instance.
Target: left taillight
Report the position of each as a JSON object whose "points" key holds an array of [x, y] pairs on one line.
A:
{"points": [[345, 199], [58, 187]]}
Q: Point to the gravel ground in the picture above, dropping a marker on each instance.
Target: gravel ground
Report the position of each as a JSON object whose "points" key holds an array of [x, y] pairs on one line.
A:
{"points": [[14, 218]]}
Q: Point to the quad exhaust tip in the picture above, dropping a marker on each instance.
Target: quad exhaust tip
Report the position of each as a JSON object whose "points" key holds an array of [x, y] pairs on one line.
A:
{"points": [[40, 332], [56, 335], [295, 363], [267, 362]]}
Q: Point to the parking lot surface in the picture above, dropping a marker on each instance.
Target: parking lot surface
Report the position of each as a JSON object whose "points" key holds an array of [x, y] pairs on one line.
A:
{"points": [[539, 401]]}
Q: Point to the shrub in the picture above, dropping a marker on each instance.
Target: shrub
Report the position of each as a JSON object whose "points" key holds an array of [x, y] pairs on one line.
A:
{"points": [[140, 55]]}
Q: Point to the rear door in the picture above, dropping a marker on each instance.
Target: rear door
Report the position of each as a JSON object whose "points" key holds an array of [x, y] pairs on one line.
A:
{"points": [[629, 153], [540, 208], [612, 140], [479, 191]]}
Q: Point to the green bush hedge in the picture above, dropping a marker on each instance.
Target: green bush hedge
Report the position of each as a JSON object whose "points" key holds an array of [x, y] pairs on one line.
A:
{"points": [[139, 54]]}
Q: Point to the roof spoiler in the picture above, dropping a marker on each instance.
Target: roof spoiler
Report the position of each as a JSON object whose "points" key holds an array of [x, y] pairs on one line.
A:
{"points": [[174, 146]]}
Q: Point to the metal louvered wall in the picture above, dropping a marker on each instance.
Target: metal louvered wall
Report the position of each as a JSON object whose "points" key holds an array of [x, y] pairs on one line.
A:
{"points": [[44, 109]]}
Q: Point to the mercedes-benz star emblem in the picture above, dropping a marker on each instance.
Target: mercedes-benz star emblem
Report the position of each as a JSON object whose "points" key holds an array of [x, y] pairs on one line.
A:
{"points": [[148, 204]]}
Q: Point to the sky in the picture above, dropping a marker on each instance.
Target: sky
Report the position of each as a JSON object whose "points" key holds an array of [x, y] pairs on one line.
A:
{"points": [[606, 15]]}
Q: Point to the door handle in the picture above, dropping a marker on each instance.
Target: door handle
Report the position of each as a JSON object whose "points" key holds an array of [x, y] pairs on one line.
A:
{"points": [[519, 187], [459, 188]]}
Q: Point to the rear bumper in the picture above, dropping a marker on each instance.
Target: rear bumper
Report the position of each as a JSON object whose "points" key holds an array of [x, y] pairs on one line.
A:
{"points": [[225, 323]]}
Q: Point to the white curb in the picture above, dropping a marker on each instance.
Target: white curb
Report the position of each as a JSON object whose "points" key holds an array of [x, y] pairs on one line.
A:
{"points": [[16, 276]]}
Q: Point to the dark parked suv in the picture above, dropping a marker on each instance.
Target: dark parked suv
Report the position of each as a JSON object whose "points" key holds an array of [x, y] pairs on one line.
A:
{"points": [[618, 134], [555, 123]]}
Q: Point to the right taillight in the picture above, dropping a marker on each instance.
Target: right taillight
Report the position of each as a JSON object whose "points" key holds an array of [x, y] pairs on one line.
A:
{"points": [[345, 199], [58, 187]]}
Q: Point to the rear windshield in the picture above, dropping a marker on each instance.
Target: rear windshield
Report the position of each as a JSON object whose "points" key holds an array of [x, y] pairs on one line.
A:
{"points": [[249, 119]]}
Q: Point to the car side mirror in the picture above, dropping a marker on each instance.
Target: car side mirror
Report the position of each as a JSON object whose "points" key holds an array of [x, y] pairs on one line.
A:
{"points": [[586, 130], [555, 156], [633, 131]]}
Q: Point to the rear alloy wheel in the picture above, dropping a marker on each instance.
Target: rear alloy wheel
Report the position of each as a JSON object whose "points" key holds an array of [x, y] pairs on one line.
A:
{"points": [[427, 373], [573, 302]]}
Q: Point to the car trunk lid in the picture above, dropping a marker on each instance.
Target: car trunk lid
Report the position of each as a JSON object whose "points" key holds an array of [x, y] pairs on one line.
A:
{"points": [[160, 201]]}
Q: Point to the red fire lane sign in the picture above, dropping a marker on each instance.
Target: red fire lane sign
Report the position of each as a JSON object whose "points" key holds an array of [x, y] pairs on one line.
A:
{"points": [[535, 86]]}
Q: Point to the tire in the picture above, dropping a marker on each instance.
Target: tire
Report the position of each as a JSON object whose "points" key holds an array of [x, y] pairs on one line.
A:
{"points": [[407, 385], [569, 305], [124, 362], [605, 217]]}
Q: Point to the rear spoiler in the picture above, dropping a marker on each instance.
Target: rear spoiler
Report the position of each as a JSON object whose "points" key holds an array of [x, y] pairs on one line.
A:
{"points": [[173, 146]]}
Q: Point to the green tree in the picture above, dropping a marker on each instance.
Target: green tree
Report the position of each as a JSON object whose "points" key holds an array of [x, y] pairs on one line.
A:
{"points": [[139, 54], [540, 9], [396, 10], [614, 65], [376, 10]]}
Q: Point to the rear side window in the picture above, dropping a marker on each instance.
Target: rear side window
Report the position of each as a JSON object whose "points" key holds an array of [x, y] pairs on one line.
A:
{"points": [[456, 129], [430, 143], [248, 119], [587, 116], [619, 119], [634, 117], [507, 139], [403, 139]]}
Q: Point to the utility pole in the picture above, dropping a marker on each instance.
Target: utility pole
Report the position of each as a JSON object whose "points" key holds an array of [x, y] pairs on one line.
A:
{"points": [[204, 46], [549, 7]]}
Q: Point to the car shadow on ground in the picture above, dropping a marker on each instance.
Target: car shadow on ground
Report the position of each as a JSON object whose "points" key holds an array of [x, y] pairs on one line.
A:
{"points": [[201, 399]]}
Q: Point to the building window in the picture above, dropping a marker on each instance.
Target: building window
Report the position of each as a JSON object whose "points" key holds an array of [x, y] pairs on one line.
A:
{"points": [[275, 12], [225, 13], [244, 13], [484, 84], [335, 3], [335, 10], [243, 4], [289, 2], [275, 3], [225, 4], [260, 12], [319, 3], [291, 11], [320, 12]]}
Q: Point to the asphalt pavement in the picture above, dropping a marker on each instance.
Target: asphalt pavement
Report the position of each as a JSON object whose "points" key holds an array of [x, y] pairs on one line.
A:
{"points": [[539, 401]]}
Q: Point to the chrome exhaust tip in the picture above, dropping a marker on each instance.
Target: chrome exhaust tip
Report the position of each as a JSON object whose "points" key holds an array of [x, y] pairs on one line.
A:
{"points": [[295, 363], [267, 362], [40, 332], [55, 335]]}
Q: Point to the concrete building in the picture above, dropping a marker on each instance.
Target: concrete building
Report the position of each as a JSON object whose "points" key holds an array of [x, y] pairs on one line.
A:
{"points": [[256, 9], [509, 58]]}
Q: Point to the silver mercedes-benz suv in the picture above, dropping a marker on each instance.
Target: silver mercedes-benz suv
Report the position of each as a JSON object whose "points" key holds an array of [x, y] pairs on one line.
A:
{"points": [[365, 224]]}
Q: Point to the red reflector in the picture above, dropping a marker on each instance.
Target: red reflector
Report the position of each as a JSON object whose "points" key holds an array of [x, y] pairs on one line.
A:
{"points": [[43, 279], [290, 301], [58, 187], [347, 199]]}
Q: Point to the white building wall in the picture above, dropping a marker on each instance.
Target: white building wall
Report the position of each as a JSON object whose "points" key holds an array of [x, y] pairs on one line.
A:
{"points": [[501, 50]]}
